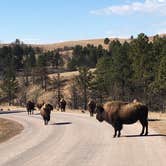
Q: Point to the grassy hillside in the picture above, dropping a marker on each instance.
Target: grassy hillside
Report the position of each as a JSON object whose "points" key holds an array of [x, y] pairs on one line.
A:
{"points": [[95, 42]]}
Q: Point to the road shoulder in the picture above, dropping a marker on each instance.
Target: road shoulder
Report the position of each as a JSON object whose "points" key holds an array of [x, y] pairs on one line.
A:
{"points": [[8, 129]]}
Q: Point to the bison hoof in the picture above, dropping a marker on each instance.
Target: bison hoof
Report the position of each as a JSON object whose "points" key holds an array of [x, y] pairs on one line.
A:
{"points": [[146, 133]]}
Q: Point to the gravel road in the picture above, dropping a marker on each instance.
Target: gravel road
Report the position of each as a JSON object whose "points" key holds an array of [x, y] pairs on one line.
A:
{"points": [[79, 140]]}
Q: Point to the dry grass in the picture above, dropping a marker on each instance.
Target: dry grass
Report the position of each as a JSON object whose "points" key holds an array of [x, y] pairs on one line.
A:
{"points": [[95, 42], [158, 122], [8, 129], [5, 107], [68, 75], [68, 78]]}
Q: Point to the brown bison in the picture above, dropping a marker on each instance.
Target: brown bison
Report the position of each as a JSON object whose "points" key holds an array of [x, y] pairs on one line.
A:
{"points": [[30, 107], [62, 104], [118, 113], [91, 107], [45, 112], [39, 105]]}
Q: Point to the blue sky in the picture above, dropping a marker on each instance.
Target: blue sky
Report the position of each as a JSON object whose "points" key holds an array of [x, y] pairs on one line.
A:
{"points": [[50, 21]]}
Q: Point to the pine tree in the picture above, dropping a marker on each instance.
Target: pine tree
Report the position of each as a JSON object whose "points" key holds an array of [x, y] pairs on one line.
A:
{"points": [[9, 85], [101, 83], [83, 80], [162, 73], [42, 70], [106, 41]]}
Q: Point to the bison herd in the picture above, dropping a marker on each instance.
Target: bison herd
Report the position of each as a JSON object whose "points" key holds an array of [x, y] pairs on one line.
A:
{"points": [[115, 113], [45, 109]]}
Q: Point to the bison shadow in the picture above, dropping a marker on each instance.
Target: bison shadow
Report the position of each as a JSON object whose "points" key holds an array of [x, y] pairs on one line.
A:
{"points": [[62, 123], [153, 120], [37, 113], [149, 135]]}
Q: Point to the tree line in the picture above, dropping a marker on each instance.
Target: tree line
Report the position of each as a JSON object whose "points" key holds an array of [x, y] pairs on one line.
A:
{"points": [[128, 70], [27, 62]]}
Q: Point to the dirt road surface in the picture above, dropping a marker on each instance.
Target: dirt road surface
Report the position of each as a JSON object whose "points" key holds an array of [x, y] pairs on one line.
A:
{"points": [[78, 140]]}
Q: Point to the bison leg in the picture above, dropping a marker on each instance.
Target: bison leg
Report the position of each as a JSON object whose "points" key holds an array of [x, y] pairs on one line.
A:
{"points": [[91, 113], [143, 127], [115, 133], [119, 133], [118, 127], [45, 121], [146, 133], [144, 124]]}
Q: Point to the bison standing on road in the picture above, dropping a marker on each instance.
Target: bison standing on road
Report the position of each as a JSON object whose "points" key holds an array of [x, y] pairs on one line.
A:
{"points": [[62, 105], [30, 107], [118, 113], [45, 112], [91, 107]]}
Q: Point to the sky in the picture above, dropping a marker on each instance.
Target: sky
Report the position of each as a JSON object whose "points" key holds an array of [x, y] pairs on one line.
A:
{"points": [[50, 21]]}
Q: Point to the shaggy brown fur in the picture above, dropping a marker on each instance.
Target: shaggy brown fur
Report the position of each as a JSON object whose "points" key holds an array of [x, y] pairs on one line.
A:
{"points": [[39, 105], [118, 113], [45, 112], [30, 107], [91, 107]]}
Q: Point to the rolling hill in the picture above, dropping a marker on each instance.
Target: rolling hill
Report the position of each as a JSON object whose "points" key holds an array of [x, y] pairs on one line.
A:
{"points": [[95, 42]]}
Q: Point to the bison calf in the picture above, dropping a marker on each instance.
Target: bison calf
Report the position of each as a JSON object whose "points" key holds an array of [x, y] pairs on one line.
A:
{"points": [[118, 113], [45, 112]]}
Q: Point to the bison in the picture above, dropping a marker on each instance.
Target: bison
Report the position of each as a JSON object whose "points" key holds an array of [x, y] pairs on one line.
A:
{"points": [[30, 107], [39, 105], [118, 113], [45, 112], [91, 107], [62, 105]]}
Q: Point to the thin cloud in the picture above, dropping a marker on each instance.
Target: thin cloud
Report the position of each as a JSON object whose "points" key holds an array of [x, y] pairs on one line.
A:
{"points": [[148, 6]]}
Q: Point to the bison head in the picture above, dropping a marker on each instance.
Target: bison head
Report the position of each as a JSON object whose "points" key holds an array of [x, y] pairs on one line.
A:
{"points": [[48, 107], [100, 113]]}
